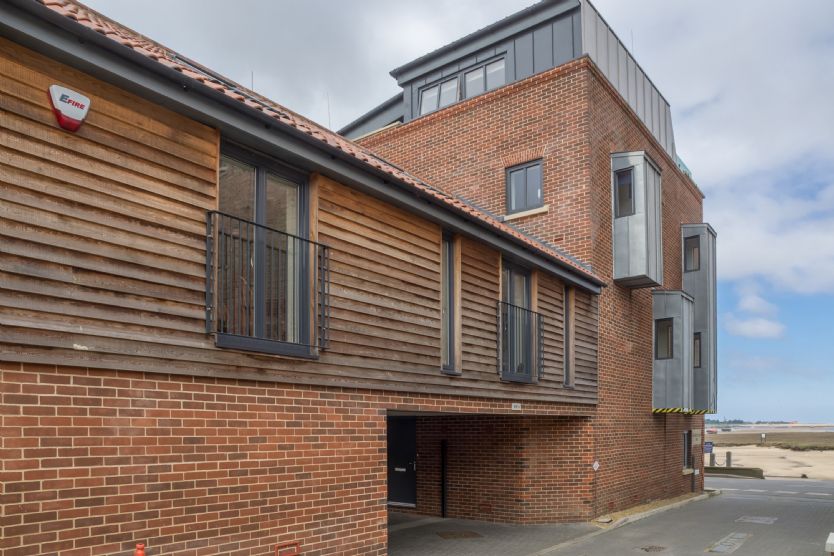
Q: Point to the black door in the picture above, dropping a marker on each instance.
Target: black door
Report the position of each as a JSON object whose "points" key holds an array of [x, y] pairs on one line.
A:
{"points": [[402, 460]]}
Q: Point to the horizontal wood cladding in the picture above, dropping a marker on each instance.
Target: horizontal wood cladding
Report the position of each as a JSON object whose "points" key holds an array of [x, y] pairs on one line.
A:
{"points": [[102, 259]]}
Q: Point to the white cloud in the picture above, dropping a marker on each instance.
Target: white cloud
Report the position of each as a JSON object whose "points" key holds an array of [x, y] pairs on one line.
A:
{"points": [[751, 301], [754, 327]]}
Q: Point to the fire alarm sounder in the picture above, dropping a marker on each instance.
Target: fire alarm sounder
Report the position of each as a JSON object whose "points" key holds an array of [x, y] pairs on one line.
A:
{"points": [[70, 107]]}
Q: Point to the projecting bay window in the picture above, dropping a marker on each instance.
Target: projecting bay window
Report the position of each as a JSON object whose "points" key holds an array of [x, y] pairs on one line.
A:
{"points": [[520, 341], [266, 283], [450, 310], [663, 338], [691, 254]]}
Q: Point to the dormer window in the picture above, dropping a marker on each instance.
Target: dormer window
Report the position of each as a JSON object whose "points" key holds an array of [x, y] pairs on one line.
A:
{"points": [[484, 78], [467, 84]]}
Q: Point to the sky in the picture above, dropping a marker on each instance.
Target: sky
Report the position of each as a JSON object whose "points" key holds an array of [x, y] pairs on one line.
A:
{"points": [[751, 85]]}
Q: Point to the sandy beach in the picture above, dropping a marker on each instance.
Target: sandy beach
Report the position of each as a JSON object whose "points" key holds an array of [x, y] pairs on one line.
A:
{"points": [[778, 462]]}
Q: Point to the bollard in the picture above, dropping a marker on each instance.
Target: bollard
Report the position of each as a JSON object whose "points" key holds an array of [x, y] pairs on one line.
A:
{"points": [[140, 550], [712, 460], [729, 459]]}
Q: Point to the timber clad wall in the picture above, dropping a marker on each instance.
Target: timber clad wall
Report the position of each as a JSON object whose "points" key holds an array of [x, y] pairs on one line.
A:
{"points": [[103, 258]]}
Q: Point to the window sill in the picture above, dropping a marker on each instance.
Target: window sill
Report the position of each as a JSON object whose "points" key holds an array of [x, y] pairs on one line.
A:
{"points": [[524, 213], [270, 347], [451, 372], [688, 471]]}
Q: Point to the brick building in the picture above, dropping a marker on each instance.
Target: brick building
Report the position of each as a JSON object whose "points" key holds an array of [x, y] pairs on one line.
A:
{"points": [[577, 109], [223, 327]]}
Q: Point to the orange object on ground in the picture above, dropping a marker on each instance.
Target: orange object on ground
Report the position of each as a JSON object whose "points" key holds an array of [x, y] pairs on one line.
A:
{"points": [[140, 550]]}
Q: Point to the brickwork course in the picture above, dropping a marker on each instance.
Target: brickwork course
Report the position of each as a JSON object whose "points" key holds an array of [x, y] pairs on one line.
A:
{"points": [[572, 119]]}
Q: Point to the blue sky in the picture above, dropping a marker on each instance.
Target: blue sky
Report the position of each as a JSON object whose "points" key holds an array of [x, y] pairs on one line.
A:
{"points": [[751, 85]]}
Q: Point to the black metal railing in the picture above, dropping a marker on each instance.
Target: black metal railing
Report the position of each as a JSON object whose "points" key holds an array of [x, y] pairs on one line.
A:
{"points": [[266, 290], [519, 343]]}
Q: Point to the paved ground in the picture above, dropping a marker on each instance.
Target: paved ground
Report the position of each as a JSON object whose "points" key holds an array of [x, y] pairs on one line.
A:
{"points": [[790, 517], [421, 536]]}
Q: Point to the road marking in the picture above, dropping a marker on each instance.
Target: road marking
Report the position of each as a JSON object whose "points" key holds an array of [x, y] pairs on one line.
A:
{"points": [[785, 492], [729, 544], [729, 489], [761, 520], [818, 493], [754, 490]]}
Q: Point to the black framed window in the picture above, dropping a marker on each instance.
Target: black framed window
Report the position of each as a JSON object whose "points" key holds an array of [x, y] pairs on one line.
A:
{"points": [[687, 450], [692, 253], [484, 78], [448, 294], [439, 95], [524, 187], [663, 338], [519, 327], [624, 192], [568, 300], [696, 350], [261, 267]]}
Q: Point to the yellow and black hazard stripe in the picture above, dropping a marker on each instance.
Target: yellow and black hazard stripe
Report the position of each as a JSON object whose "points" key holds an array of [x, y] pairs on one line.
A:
{"points": [[667, 410]]}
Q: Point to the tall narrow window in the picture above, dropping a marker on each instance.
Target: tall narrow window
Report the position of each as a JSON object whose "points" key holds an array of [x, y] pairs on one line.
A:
{"points": [[519, 327], [261, 264], [687, 450], [524, 187], [449, 92], [663, 336], [448, 300], [696, 350], [569, 302], [691, 253], [624, 188]]}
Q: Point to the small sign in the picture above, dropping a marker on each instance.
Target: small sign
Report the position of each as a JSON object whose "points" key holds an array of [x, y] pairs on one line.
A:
{"points": [[595, 466], [70, 108], [516, 407], [708, 447], [696, 436]]}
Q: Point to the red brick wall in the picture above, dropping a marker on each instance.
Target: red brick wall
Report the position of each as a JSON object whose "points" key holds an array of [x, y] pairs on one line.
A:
{"points": [[573, 119], [95, 461], [506, 468]]}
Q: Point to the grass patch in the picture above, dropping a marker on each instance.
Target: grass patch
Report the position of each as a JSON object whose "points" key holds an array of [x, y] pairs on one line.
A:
{"points": [[796, 441]]}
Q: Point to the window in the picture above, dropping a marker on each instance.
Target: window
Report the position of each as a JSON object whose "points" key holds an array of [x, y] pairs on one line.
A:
{"points": [[524, 187], [438, 96], [569, 302], [484, 78], [663, 329], [624, 192], [495, 74], [692, 253], [519, 327], [696, 350], [687, 450], [449, 300], [261, 270]]}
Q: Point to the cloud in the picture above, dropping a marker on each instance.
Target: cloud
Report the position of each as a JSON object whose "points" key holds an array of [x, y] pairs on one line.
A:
{"points": [[750, 300], [754, 327]]}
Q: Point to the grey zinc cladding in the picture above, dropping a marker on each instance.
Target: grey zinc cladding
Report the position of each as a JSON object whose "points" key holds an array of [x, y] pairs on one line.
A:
{"points": [[534, 40], [637, 238], [672, 377], [701, 285]]}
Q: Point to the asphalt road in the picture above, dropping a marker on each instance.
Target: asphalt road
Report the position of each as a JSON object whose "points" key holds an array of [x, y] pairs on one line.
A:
{"points": [[773, 517]]}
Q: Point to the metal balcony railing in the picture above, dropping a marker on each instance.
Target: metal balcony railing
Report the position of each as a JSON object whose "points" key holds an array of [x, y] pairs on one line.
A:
{"points": [[519, 343], [266, 290]]}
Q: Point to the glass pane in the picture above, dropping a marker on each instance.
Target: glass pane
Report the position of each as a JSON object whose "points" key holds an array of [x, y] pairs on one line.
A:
{"points": [[692, 253], [534, 186], [624, 205], [428, 100], [237, 189], [446, 302], [663, 339], [518, 190], [696, 350], [495, 74], [449, 92], [475, 82], [283, 256]]}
